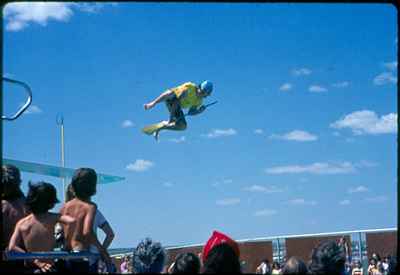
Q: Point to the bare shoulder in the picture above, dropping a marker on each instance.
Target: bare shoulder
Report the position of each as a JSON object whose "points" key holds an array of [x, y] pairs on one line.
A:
{"points": [[25, 223]]}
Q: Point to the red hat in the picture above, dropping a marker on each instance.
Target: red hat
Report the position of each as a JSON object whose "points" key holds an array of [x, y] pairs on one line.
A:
{"points": [[216, 239]]}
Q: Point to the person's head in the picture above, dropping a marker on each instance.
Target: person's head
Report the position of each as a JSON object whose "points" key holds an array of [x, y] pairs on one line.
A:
{"points": [[275, 265], [376, 257], [148, 257], [206, 88], [357, 264], [327, 258], [294, 266], [186, 263], [42, 197], [69, 194], [84, 183], [222, 258], [265, 261], [11, 182], [372, 261]]}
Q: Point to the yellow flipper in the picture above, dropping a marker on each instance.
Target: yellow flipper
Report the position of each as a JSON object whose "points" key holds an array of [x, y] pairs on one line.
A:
{"points": [[150, 129]]}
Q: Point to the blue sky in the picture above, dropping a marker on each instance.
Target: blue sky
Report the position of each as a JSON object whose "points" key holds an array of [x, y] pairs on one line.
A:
{"points": [[302, 140]]}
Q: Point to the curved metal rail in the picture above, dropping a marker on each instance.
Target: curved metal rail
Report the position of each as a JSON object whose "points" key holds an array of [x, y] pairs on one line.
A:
{"points": [[27, 103]]}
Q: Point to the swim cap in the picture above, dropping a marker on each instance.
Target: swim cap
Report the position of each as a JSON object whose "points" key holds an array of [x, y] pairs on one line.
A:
{"points": [[206, 86]]}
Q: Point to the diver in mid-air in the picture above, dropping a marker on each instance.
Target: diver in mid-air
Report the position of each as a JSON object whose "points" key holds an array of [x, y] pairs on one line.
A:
{"points": [[187, 95]]}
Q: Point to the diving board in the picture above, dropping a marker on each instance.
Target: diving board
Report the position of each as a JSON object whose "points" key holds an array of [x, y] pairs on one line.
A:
{"points": [[56, 171]]}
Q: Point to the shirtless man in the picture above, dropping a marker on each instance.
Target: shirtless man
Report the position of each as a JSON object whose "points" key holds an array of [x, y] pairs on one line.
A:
{"points": [[12, 202], [34, 233], [80, 235]]}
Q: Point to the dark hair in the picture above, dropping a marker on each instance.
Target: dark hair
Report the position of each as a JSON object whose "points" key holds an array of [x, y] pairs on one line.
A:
{"points": [[186, 263], [294, 266], [11, 180], [222, 259], [327, 258], [84, 183], [70, 193], [275, 265], [148, 257], [42, 196]]}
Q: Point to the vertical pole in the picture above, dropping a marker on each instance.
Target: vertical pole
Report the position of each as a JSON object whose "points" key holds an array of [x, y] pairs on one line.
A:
{"points": [[60, 121], [279, 252], [360, 248]]}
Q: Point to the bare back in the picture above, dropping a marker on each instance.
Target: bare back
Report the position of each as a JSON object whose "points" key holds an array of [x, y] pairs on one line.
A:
{"points": [[37, 232], [12, 212], [76, 234]]}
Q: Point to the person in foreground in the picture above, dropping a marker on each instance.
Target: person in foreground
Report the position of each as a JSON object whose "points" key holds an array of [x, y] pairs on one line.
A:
{"points": [[327, 258], [34, 233], [187, 95], [148, 257], [221, 254], [80, 236]]}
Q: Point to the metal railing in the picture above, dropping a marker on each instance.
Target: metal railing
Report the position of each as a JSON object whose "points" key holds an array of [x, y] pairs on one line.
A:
{"points": [[26, 104]]}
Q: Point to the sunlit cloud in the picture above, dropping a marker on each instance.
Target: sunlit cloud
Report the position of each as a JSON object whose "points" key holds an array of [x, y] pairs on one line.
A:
{"points": [[317, 89], [140, 165], [301, 201], [301, 71], [20, 15], [358, 189], [221, 133], [127, 124], [342, 84], [263, 189], [178, 140], [367, 122], [385, 78], [228, 201], [296, 135], [265, 213], [315, 168], [33, 109], [258, 131], [285, 87]]}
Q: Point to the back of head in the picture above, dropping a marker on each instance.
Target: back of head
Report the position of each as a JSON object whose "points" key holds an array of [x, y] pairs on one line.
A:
{"points": [[11, 180], [186, 263], [327, 258], [148, 257], [294, 266], [84, 183], [222, 259], [42, 196]]}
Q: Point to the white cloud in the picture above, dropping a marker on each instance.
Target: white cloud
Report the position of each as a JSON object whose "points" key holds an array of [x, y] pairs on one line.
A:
{"points": [[315, 168], [301, 71], [167, 184], [224, 181], [392, 66], [19, 15], [377, 199], [366, 163], [140, 165], [258, 131], [367, 122], [127, 124], [302, 202], [317, 89], [33, 109], [342, 84], [385, 78], [228, 201], [344, 202], [263, 189], [178, 140], [358, 189], [296, 135], [265, 212], [285, 87], [221, 133]]}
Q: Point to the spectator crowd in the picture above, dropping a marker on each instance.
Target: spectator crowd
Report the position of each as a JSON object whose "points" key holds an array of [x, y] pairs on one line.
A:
{"points": [[29, 226]]}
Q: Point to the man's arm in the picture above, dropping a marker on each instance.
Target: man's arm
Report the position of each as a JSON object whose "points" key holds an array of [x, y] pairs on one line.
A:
{"points": [[109, 234], [196, 110], [16, 240]]}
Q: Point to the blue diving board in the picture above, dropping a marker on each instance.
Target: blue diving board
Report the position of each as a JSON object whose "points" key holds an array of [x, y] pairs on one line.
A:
{"points": [[56, 171]]}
